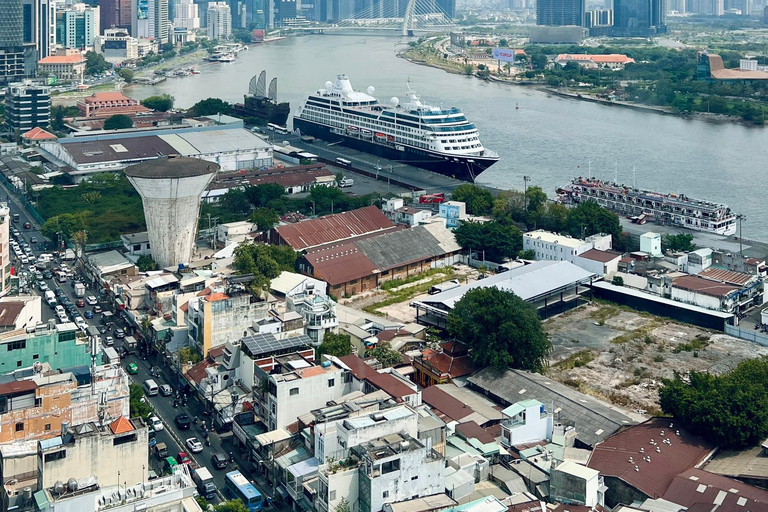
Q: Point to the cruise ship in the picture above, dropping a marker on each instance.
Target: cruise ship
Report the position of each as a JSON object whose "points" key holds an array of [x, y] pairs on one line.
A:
{"points": [[640, 205], [411, 132]]}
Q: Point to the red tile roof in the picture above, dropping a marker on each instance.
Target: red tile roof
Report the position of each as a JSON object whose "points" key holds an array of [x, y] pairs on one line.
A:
{"points": [[62, 59], [106, 96], [214, 297], [702, 491], [444, 403], [38, 133], [331, 228], [197, 372], [9, 312], [597, 59], [611, 457], [121, 425], [471, 430], [390, 384], [454, 367], [359, 369], [704, 286], [601, 256], [726, 276]]}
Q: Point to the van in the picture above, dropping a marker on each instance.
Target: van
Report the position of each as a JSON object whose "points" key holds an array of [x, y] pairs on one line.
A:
{"points": [[151, 387]]}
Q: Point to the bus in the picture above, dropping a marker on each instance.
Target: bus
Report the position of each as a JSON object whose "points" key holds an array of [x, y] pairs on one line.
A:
{"points": [[344, 162], [240, 488], [277, 128]]}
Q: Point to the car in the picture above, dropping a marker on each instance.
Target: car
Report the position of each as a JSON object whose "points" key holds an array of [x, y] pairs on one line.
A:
{"points": [[194, 445], [156, 424], [119, 334], [27, 225], [166, 390], [38, 275], [47, 274], [109, 341], [80, 303], [91, 300], [82, 326], [183, 421], [23, 258], [183, 458], [33, 240], [102, 329], [97, 309], [220, 460], [88, 314], [133, 369], [43, 287]]}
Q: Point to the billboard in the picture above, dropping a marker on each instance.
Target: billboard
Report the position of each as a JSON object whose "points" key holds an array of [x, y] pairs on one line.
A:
{"points": [[142, 9], [505, 55]]}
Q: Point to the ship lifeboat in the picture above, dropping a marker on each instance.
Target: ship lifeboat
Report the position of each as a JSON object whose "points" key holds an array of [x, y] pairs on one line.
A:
{"points": [[352, 128], [380, 136], [391, 138]]}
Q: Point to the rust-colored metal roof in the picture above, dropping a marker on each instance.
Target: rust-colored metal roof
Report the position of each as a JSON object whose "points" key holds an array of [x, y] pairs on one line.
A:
{"points": [[445, 403], [611, 457], [702, 491], [331, 228], [601, 256], [390, 385], [359, 368], [726, 276], [471, 430], [121, 425], [340, 263], [704, 286], [214, 297], [17, 386]]}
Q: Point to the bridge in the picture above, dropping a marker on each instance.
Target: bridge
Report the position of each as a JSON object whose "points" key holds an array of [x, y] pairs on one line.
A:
{"points": [[418, 16]]}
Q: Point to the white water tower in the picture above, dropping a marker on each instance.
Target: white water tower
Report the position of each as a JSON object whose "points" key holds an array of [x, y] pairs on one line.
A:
{"points": [[170, 189]]}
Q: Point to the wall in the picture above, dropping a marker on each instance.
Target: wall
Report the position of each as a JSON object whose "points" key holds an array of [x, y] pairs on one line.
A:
{"points": [[418, 476], [535, 428], [5, 254], [550, 251], [698, 299], [332, 487], [60, 350], [314, 392], [55, 403]]}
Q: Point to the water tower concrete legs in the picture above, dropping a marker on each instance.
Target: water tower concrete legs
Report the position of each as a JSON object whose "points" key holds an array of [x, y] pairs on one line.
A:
{"points": [[171, 210]]}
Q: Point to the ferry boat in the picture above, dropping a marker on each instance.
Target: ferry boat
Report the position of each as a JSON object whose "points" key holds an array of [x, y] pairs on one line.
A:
{"points": [[666, 209], [432, 138]]}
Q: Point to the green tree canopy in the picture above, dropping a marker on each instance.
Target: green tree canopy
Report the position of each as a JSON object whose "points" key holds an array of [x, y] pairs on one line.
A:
{"points": [[210, 107], [146, 263], [497, 240], [236, 201], [261, 195], [730, 410], [265, 218], [335, 345], [95, 63], [126, 74], [589, 218], [479, 201], [385, 355], [500, 329], [231, 506], [681, 242], [161, 103], [118, 122], [59, 112]]}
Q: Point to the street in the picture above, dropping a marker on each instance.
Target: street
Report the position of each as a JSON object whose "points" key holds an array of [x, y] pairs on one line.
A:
{"points": [[163, 406]]}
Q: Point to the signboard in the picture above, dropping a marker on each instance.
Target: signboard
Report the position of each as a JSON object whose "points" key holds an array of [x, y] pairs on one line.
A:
{"points": [[505, 55], [142, 9], [51, 80]]}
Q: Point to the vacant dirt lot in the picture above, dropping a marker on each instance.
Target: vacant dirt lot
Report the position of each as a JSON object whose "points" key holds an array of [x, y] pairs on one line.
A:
{"points": [[622, 355]]}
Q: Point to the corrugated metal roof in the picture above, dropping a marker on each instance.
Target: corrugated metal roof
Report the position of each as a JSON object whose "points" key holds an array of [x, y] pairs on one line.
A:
{"points": [[593, 419], [332, 228], [214, 141], [727, 276], [400, 247], [180, 145]]}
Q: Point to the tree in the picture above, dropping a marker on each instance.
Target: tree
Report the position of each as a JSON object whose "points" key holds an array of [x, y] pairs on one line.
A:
{"points": [[681, 242], [189, 355], [385, 355], [730, 410], [530, 254], [343, 505], [618, 281], [95, 63], [126, 74], [496, 240], [333, 344], [161, 103], [235, 201], [536, 198], [231, 506], [500, 329], [589, 218], [261, 195], [210, 107], [118, 122], [59, 112], [265, 218], [479, 201], [538, 61], [138, 403], [146, 263]]}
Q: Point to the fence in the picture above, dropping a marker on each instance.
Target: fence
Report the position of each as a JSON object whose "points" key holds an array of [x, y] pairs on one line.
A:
{"points": [[105, 245], [747, 334]]}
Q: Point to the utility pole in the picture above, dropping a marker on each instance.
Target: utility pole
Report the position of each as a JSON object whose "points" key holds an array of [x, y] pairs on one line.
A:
{"points": [[740, 217], [526, 179]]}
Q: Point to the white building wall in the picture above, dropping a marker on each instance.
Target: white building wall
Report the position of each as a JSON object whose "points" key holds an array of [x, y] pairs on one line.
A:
{"points": [[187, 15], [5, 253], [171, 209], [342, 484], [534, 429], [698, 299], [401, 485], [650, 243], [313, 392], [553, 250]]}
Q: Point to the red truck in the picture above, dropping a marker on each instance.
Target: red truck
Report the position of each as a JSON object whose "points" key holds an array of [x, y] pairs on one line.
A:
{"points": [[432, 198]]}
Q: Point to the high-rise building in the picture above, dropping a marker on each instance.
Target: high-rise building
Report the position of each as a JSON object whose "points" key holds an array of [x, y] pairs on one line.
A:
{"points": [[27, 104], [39, 25], [561, 12], [639, 17], [448, 7], [186, 15], [77, 26], [115, 14], [150, 20], [219, 20], [284, 10], [17, 58]]}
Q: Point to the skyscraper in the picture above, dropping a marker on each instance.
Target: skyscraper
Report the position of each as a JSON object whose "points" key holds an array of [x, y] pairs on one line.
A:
{"points": [[115, 13], [77, 25], [186, 15], [219, 20], [561, 12], [27, 105], [39, 25], [639, 17], [17, 58], [150, 20]]}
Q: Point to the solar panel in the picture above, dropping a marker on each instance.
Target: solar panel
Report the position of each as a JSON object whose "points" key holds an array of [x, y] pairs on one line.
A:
{"points": [[265, 343]]}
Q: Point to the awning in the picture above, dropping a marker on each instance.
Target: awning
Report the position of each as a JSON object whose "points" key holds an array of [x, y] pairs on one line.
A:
{"points": [[282, 492]]}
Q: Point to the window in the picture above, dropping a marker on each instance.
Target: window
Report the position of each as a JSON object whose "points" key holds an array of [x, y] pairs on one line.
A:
{"points": [[332, 495], [294, 391], [20, 427], [385, 494], [47, 426], [36, 356], [415, 477], [61, 454], [16, 345], [18, 364], [331, 383]]}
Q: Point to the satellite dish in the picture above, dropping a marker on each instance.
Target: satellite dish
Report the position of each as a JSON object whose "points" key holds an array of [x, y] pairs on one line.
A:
{"points": [[328, 85], [371, 90], [394, 101]]}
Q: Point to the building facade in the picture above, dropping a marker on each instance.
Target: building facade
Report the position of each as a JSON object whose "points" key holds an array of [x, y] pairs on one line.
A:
{"points": [[5, 253], [40, 25], [217, 318], [117, 46], [65, 65], [561, 12], [115, 14], [186, 15], [77, 26], [27, 105], [219, 20], [17, 58], [558, 247], [59, 345]]}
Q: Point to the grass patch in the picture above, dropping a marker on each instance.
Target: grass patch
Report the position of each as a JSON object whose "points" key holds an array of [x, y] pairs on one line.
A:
{"points": [[605, 312], [658, 359], [577, 360], [405, 294], [641, 334], [394, 283], [698, 343]]}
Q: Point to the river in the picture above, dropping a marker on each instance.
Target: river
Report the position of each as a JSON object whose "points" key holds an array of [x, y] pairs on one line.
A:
{"points": [[548, 138]]}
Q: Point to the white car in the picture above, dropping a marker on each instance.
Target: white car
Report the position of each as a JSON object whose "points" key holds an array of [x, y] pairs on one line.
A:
{"points": [[194, 445], [156, 423], [91, 300]]}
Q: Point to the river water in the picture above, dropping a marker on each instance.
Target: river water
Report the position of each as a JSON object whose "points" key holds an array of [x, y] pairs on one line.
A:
{"points": [[548, 138]]}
